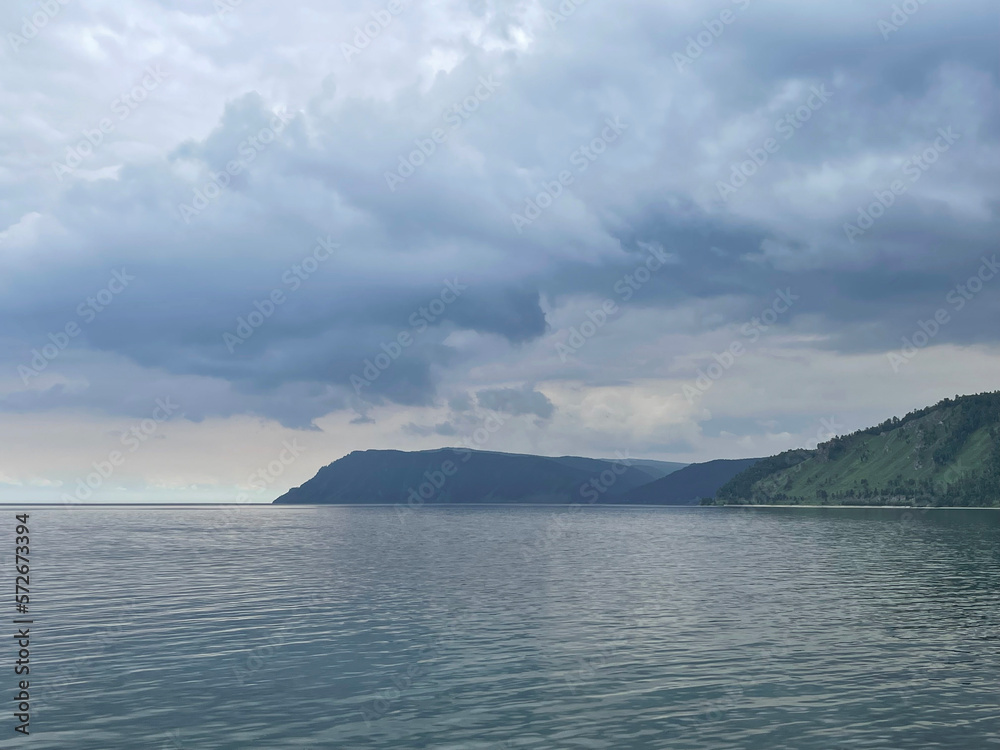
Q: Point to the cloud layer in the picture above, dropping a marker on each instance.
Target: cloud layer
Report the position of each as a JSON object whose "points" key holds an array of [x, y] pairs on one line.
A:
{"points": [[392, 218]]}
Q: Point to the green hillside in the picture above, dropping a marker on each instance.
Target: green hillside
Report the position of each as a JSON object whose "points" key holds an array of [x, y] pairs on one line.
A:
{"points": [[946, 455]]}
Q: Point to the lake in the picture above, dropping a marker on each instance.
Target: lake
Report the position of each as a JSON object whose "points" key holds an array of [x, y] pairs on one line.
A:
{"points": [[497, 628]]}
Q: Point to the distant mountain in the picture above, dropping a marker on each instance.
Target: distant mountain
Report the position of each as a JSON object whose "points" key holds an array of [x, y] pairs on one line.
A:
{"points": [[652, 469], [688, 485], [460, 475], [655, 469], [947, 454]]}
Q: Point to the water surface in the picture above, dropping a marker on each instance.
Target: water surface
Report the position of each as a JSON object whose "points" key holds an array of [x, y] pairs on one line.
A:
{"points": [[535, 628]]}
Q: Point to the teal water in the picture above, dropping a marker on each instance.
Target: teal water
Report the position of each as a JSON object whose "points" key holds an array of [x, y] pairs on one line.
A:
{"points": [[499, 628]]}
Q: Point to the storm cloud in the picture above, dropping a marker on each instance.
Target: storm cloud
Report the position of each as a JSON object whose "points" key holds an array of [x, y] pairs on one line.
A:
{"points": [[327, 216]]}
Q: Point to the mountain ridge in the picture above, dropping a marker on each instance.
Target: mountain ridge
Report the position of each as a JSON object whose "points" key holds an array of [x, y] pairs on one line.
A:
{"points": [[466, 476], [947, 454], [688, 485]]}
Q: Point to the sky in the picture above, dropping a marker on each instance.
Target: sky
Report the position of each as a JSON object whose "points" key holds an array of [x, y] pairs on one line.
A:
{"points": [[240, 240]]}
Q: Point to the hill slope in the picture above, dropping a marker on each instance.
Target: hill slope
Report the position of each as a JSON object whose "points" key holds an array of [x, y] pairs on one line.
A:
{"points": [[947, 454], [460, 475], [686, 486], [652, 469]]}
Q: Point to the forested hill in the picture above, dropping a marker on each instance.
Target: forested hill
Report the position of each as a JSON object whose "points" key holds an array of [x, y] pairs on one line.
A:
{"points": [[947, 454]]}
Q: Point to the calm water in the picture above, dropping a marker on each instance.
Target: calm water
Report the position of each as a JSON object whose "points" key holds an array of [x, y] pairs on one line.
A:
{"points": [[498, 628]]}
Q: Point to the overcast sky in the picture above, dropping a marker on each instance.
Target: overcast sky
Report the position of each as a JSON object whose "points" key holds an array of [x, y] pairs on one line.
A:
{"points": [[281, 232]]}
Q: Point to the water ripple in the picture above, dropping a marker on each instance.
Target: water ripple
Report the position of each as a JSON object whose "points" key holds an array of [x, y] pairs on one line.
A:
{"points": [[501, 628]]}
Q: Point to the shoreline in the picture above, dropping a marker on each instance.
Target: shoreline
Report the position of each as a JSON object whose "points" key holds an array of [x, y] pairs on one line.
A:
{"points": [[860, 507], [570, 506]]}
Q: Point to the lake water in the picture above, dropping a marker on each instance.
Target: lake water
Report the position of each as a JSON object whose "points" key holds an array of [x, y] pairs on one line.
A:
{"points": [[499, 628]]}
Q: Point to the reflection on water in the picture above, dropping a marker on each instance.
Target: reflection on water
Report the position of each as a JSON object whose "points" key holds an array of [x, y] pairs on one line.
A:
{"points": [[299, 627]]}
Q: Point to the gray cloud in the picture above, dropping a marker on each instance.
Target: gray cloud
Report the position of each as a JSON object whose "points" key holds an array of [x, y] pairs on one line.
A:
{"points": [[516, 401], [351, 122]]}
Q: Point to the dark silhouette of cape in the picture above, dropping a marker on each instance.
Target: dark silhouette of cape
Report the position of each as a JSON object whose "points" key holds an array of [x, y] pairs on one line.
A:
{"points": [[465, 476]]}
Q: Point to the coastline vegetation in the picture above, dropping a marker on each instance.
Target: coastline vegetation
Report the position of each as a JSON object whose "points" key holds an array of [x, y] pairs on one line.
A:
{"points": [[946, 455]]}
